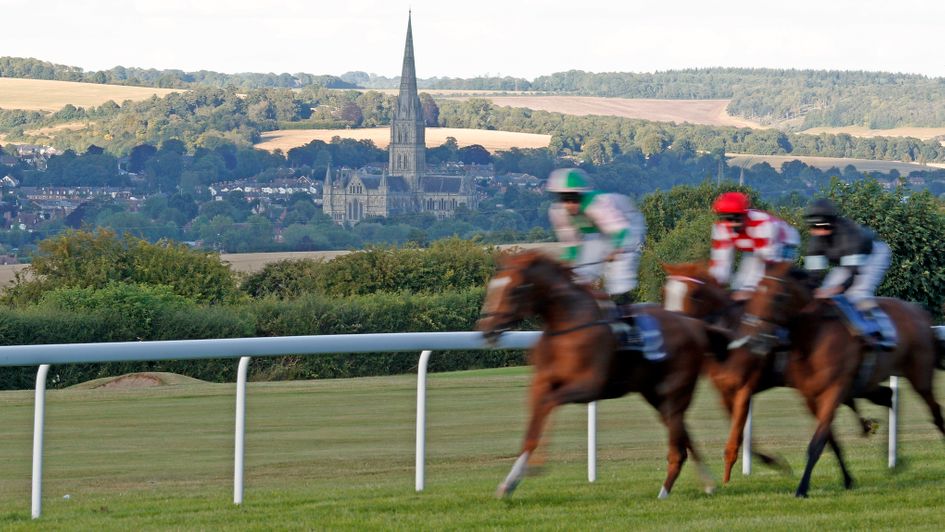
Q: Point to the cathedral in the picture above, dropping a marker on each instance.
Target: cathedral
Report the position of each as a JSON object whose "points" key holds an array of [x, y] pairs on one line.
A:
{"points": [[405, 187]]}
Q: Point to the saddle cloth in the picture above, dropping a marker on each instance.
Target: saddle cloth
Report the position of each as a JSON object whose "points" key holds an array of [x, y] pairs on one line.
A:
{"points": [[873, 324], [641, 334]]}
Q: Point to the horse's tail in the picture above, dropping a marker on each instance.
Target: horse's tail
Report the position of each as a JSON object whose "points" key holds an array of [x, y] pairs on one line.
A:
{"points": [[939, 333]]}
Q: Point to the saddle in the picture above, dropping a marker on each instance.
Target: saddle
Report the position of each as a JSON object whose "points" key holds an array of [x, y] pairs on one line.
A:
{"points": [[872, 325]]}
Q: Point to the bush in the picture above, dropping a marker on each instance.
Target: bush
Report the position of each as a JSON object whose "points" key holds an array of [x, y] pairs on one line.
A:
{"points": [[447, 265]]}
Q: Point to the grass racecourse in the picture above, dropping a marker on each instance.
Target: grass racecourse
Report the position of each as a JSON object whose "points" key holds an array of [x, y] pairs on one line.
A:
{"points": [[339, 454]]}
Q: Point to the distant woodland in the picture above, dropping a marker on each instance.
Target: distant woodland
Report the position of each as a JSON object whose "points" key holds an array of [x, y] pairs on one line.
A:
{"points": [[794, 99]]}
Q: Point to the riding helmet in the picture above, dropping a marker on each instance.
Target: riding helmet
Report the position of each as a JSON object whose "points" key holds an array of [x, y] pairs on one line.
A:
{"points": [[568, 181], [731, 203], [821, 212]]}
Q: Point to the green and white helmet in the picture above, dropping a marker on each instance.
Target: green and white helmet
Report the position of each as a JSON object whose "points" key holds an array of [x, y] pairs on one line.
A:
{"points": [[568, 180]]}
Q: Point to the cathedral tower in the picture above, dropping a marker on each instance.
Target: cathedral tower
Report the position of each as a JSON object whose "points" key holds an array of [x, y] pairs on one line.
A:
{"points": [[407, 144]]}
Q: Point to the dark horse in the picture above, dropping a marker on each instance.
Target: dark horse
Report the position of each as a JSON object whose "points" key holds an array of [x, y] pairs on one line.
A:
{"points": [[690, 289], [577, 360], [827, 362]]}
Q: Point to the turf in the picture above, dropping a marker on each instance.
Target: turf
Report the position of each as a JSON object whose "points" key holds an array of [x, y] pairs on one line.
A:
{"points": [[339, 454]]}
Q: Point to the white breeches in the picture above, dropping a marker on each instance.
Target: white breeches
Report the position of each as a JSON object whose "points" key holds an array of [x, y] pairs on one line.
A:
{"points": [[619, 275]]}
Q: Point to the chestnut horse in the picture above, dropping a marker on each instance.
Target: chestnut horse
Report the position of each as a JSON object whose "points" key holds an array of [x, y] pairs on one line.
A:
{"points": [[577, 358], [827, 361], [690, 289]]}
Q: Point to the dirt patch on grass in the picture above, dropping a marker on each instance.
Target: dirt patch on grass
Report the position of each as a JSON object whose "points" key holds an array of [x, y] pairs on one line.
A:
{"points": [[149, 379]]}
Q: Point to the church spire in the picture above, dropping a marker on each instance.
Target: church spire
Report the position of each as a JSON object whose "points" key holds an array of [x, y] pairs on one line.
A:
{"points": [[408, 74], [407, 143]]}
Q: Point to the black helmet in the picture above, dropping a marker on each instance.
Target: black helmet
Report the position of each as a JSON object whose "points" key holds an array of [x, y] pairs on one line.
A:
{"points": [[821, 212]]}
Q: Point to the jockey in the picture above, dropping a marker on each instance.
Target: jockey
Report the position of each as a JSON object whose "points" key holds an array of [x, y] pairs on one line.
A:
{"points": [[761, 236], [859, 261], [603, 232], [604, 235]]}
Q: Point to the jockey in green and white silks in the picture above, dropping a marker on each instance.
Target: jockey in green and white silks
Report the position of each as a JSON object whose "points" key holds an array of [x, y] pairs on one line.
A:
{"points": [[603, 232]]}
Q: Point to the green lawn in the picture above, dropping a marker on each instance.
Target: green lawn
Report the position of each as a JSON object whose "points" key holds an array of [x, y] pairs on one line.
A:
{"points": [[340, 454]]}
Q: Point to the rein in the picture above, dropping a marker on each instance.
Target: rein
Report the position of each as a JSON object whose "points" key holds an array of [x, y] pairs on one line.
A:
{"points": [[587, 325]]}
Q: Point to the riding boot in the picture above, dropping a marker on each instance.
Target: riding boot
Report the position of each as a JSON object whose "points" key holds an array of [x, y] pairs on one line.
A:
{"points": [[878, 328]]}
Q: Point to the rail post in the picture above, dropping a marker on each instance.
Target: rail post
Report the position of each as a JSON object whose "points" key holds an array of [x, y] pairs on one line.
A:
{"points": [[39, 416], [240, 437], [421, 418]]}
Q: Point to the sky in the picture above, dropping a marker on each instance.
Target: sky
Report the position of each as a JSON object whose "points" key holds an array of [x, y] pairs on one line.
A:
{"points": [[476, 38]]}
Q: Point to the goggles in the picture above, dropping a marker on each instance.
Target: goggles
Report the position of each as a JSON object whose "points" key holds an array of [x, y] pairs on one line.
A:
{"points": [[569, 197]]}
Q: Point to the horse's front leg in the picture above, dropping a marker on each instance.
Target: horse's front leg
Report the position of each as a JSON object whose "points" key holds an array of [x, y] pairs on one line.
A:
{"points": [[824, 407], [545, 396], [541, 407]]}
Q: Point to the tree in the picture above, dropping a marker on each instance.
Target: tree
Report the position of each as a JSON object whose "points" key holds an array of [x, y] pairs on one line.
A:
{"points": [[80, 259], [351, 113], [474, 154], [139, 156], [430, 110]]}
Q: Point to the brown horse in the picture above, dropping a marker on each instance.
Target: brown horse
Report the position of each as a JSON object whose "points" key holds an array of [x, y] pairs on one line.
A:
{"points": [[827, 361], [690, 289], [577, 360]]}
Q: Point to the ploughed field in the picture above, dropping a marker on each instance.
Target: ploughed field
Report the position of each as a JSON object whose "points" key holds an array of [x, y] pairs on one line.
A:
{"points": [[340, 454]]}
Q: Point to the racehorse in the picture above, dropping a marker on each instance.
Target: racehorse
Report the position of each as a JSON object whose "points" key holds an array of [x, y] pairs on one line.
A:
{"points": [[690, 289], [827, 362], [577, 358]]}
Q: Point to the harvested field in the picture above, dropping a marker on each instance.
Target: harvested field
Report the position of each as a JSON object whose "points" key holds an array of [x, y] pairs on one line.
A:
{"points": [[824, 163], [8, 271], [708, 112], [48, 95], [52, 131], [286, 139], [923, 133]]}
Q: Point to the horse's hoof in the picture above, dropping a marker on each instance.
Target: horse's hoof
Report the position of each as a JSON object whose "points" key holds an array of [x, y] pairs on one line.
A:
{"points": [[505, 490], [801, 495], [663, 494], [709, 490]]}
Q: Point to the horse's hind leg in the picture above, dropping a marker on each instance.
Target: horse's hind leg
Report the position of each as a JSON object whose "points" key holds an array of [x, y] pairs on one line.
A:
{"points": [[739, 417], [921, 380], [868, 426], [835, 446], [708, 482], [678, 443]]}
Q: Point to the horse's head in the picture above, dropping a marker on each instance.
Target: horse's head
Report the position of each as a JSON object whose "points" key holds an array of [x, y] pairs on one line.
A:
{"points": [[690, 289], [513, 291], [781, 295]]}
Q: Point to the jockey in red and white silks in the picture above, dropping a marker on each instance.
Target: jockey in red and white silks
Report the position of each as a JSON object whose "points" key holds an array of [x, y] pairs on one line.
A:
{"points": [[759, 235]]}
